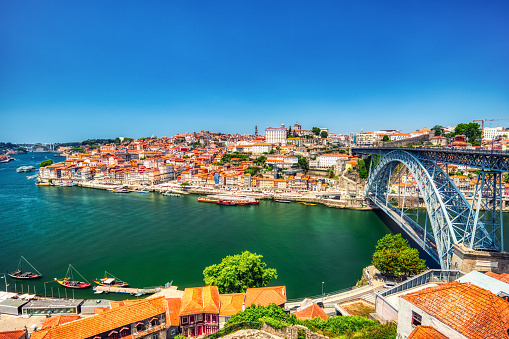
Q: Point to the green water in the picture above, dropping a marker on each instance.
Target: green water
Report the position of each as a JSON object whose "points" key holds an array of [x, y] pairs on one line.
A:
{"points": [[149, 239]]}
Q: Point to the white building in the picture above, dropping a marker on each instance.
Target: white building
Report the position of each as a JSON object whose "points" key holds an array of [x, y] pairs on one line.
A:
{"points": [[261, 147], [276, 135], [489, 133], [329, 160]]}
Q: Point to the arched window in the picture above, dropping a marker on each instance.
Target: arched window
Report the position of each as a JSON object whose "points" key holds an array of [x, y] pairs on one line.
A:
{"points": [[154, 321], [140, 327], [124, 332]]}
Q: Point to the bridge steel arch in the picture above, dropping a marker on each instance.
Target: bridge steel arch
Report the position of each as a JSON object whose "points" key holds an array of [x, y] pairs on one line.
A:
{"points": [[447, 208]]}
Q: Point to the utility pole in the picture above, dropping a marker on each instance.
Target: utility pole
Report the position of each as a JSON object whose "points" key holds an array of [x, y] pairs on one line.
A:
{"points": [[5, 279]]}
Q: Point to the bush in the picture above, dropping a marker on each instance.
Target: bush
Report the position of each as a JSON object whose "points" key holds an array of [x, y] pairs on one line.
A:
{"points": [[256, 325]]}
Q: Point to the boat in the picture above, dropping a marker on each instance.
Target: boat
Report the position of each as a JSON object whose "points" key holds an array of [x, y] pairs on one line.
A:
{"points": [[25, 169], [139, 191], [69, 282], [114, 282], [31, 176], [19, 274], [308, 204], [282, 201], [208, 199], [121, 190], [39, 183], [226, 202], [171, 194]]}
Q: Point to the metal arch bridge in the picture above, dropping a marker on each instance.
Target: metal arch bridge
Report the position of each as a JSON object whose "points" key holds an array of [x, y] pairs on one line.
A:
{"points": [[451, 217]]}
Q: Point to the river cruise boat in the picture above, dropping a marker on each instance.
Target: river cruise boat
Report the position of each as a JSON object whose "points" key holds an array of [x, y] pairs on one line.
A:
{"points": [[112, 282], [19, 274], [69, 282], [25, 169]]}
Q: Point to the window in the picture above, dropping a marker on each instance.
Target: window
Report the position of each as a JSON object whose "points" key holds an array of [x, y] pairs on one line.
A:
{"points": [[198, 317], [154, 322], [184, 320], [191, 318], [172, 332], [140, 327], [214, 318], [416, 319], [208, 317]]}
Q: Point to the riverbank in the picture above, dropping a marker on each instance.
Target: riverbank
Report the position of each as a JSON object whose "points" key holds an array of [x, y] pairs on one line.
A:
{"points": [[311, 197]]}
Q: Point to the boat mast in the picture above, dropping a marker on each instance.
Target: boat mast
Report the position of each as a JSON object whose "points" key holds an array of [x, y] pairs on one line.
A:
{"points": [[23, 258]]}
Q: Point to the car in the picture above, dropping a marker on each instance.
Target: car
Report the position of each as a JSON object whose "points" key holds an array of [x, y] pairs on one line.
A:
{"points": [[389, 285], [320, 304]]}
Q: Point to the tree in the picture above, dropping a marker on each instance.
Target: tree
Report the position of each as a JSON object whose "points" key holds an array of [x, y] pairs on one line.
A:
{"points": [[316, 130], [385, 138], [471, 130], [238, 272], [45, 163], [303, 163], [363, 170], [260, 160], [324, 134], [439, 130], [394, 256]]}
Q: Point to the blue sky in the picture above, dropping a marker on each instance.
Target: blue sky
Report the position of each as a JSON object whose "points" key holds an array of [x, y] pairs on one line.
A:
{"points": [[73, 70]]}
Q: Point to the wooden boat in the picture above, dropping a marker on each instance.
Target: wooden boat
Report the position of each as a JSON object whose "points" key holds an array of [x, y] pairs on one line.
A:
{"points": [[207, 199], [19, 274], [69, 282], [308, 204], [106, 281]]}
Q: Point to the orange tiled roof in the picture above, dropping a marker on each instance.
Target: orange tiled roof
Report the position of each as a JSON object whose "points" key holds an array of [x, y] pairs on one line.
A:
{"points": [[12, 334], [311, 312], [425, 332], [200, 300], [105, 321], [469, 309], [172, 314], [265, 296], [59, 320], [504, 277], [231, 303]]}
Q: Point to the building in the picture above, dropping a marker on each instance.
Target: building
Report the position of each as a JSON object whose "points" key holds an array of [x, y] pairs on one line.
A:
{"points": [[19, 334], [261, 147], [276, 135], [144, 318], [329, 160], [230, 304], [490, 133], [172, 317], [310, 312], [441, 141], [52, 306], [199, 311], [264, 296], [455, 310]]}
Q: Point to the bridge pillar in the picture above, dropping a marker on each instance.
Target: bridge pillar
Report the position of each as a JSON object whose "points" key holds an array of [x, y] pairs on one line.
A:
{"points": [[468, 260]]}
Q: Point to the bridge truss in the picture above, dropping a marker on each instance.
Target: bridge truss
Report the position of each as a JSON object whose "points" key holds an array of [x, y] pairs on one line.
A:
{"points": [[399, 181]]}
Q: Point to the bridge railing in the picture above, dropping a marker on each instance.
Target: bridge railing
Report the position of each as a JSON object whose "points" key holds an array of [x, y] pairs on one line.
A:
{"points": [[435, 149]]}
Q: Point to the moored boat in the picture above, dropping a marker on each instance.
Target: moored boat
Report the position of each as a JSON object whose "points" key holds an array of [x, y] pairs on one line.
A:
{"points": [[113, 282], [19, 274], [208, 199], [121, 190], [282, 201], [69, 282]]}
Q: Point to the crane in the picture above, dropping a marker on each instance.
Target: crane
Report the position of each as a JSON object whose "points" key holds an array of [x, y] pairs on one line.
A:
{"points": [[482, 126]]}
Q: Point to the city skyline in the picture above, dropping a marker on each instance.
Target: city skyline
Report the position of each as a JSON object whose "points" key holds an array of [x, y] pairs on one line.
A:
{"points": [[71, 72]]}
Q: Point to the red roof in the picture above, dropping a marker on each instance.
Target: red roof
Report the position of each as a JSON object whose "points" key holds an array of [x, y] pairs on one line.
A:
{"points": [[200, 300], [12, 334], [265, 296], [311, 312], [469, 309], [425, 332]]}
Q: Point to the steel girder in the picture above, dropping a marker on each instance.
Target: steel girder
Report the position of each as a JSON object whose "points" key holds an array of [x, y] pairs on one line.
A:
{"points": [[485, 160], [447, 208]]}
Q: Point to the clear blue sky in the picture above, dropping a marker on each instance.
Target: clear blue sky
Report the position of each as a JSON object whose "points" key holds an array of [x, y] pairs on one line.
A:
{"points": [[73, 70]]}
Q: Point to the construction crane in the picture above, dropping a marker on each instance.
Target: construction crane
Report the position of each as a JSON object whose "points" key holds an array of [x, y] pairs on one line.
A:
{"points": [[482, 127]]}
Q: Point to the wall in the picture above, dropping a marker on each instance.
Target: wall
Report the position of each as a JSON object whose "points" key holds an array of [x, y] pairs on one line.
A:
{"points": [[467, 260], [291, 332]]}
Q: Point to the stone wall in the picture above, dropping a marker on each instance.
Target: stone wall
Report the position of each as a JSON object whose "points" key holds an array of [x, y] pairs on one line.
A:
{"points": [[467, 260], [292, 332]]}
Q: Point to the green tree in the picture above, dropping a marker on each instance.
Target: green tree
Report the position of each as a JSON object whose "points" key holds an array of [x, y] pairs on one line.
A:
{"points": [[303, 163], [315, 130], [506, 178], [363, 170], [394, 256], [385, 138], [439, 130], [260, 160], [45, 163], [238, 272], [252, 170], [471, 130], [324, 134]]}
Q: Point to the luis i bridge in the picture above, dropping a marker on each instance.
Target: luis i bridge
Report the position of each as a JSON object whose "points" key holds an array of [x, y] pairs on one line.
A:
{"points": [[400, 178]]}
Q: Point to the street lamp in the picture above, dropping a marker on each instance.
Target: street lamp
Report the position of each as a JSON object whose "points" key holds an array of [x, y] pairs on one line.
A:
{"points": [[322, 289]]}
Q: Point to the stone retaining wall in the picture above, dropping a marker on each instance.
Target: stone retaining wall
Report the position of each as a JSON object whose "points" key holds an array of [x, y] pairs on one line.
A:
{"points": [[292, 332]]}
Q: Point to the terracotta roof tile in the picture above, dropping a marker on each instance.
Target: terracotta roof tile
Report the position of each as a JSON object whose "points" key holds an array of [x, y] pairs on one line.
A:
{"points": [[12, 334], [231, 303], [105, 321], [172, 314], [200, 300], [59, 320], [265, 296], [425, 332], [469, 309], [311, 312], [504, 277]]}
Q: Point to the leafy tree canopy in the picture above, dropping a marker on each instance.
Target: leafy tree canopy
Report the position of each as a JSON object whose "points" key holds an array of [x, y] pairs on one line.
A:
{"points": [[385, 138], [394, 256], [238, 272], [324, 134], [315, 130], [45, 163], [303, 163], [471, 130], [439, 130], [252, 170], [363, 169]]}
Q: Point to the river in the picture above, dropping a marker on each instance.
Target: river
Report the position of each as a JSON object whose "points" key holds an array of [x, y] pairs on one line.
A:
{"points": [[150, 239]]}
